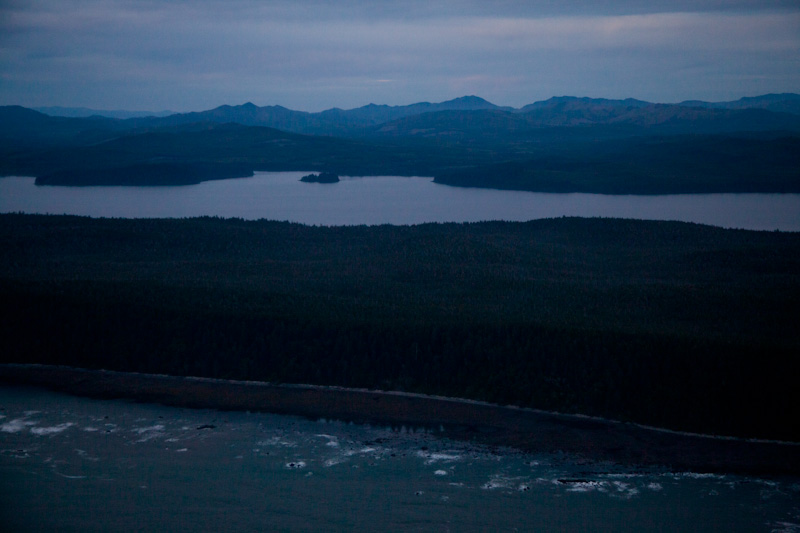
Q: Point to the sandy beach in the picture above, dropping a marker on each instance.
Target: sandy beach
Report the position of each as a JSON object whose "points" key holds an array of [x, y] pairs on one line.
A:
{"points": [[582, 438]]}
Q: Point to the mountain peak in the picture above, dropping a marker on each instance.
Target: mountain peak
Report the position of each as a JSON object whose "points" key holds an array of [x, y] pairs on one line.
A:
{"points": [[470, 98], [468, 102], [584, 103]]}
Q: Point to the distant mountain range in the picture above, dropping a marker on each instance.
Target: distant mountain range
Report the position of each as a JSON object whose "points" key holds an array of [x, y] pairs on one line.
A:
{"points": [[781, 103], [468, 117], [556, 111], [560, 144], [330, 122], [83, 112]]}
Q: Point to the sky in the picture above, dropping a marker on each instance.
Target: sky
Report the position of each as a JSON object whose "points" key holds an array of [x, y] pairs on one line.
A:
{"points": [[312, 55]]}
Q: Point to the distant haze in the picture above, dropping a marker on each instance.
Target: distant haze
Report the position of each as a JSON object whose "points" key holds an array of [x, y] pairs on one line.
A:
{"points": [[57, 111], [312, 55]]}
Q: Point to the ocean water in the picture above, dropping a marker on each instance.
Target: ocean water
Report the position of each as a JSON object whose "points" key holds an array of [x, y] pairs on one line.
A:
{"points": [[389, 200], [77, 464]]}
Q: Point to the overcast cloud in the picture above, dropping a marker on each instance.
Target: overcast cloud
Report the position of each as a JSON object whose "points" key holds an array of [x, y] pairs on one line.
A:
{"points": [[313, 55]]}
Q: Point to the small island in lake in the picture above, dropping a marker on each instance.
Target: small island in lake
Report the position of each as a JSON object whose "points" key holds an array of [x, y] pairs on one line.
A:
{"points": [[322, 177]]}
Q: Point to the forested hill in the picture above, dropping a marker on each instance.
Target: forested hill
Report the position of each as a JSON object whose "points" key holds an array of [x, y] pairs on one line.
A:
{"points": [[562, 144], [669, 324]]}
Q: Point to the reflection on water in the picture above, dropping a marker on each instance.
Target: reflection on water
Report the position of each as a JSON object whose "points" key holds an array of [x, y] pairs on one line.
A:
{"points": [[76, 464], [389, 200]]}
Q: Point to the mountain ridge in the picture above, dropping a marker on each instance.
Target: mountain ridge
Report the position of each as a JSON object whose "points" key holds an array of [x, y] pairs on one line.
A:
{"points": [[779, 102], [741, 103], [464, 117], [85, 112], [556, 111]]}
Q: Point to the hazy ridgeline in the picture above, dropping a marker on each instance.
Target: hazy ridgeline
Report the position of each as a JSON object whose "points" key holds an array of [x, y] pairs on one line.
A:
{"points": [[670, 324]]}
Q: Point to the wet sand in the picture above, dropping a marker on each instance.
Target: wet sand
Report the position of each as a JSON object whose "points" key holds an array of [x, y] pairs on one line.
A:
{"points": [[582, 438]]}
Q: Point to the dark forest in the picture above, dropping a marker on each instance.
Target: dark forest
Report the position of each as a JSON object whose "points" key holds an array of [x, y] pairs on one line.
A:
{"points": [[670, 324]]}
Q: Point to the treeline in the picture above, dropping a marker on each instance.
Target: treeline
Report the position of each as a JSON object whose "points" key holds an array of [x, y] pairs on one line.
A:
{"points": [[670, 324], [148, 174], [657, 165]]}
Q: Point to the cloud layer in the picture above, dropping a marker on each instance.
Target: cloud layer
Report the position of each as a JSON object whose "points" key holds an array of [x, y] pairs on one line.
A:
{"points": [[310, 55]]}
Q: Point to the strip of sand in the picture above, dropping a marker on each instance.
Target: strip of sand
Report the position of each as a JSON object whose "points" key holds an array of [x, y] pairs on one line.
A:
{"points": [[583, 438]]}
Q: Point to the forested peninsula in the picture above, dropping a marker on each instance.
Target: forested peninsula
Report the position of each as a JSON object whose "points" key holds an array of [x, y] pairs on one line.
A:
{"points": [[668, 324]]}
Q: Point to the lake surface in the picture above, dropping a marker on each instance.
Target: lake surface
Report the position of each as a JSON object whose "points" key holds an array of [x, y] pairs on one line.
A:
{"points": [[76, 464], [388, 200]]}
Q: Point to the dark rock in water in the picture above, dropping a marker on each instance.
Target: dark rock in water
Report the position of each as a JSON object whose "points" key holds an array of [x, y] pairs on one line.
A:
{"points": [[207, 426], [322, 177]]}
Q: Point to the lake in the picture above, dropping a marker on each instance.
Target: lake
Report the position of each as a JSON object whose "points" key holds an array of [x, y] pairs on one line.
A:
{"points": [[389, 200], [78, 464]]}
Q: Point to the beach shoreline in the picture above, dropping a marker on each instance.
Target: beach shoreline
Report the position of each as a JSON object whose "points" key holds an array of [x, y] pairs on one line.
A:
{"points": [[582, 438]]}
